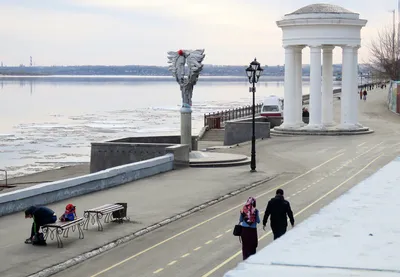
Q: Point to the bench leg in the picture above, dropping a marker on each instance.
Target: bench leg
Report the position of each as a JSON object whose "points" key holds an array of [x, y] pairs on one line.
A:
{"points": [[81, 235], [99, 216], [86, 215], [45, 231], [65, 234], [107, 219], [59, 231]]}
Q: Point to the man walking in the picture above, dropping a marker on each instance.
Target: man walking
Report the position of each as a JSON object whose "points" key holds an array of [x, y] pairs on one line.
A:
{"points": [[279, 209]]}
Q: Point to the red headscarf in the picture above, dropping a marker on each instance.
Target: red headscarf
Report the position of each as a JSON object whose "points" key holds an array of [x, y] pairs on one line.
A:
{"points": [[249, 211]]}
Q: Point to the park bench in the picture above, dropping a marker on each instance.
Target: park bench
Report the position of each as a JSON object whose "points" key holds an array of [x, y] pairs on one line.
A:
{"points": [[110, 212], [58, 228]]}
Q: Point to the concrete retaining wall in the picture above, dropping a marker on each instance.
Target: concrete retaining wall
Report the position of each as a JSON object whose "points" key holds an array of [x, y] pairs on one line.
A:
{"points": [[43, 194], [158, 139], [106, 155], [239, 131]]}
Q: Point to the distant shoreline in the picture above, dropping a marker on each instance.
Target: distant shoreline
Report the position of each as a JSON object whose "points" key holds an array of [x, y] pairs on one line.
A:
{"points": [[22, 74], [131, 78]]}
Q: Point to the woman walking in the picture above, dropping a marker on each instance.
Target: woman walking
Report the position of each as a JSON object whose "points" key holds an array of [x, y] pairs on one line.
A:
{"points": [[249, 218]]}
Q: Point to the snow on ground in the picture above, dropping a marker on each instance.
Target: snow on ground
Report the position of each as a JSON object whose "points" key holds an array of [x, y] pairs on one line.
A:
{"points": [[358, 234]]}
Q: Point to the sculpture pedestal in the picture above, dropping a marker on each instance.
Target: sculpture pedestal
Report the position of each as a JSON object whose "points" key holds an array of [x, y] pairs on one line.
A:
{"points": [[186, 127]]}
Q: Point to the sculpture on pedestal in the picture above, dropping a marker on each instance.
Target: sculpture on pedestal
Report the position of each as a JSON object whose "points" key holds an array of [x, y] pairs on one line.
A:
{"points": [[185, 66], [178, 61]]}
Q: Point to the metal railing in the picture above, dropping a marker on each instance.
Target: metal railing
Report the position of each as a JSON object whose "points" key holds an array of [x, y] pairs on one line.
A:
{"points": [[216, 120], [6, 178]]}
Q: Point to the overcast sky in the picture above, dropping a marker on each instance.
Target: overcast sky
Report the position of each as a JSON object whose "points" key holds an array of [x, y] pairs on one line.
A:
{"points": [[119, 32]]}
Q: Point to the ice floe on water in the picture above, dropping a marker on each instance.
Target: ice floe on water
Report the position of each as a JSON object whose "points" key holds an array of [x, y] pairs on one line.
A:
{"points": [[53, 125]]}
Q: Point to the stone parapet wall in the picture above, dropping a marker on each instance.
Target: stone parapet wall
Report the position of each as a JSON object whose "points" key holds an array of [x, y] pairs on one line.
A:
{"points": [[239, 131], [106, 155], [47, 193]]}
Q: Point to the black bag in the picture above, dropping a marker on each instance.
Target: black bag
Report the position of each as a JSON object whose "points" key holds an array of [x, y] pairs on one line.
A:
{"points": [[237, 231], [38, 239]]}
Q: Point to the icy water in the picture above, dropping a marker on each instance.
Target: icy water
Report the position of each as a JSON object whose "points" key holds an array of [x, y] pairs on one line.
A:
{"points": [[48, 122]]}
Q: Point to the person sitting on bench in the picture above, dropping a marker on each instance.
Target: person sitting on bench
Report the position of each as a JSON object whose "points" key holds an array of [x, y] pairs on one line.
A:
{"points": [[69, 214], [41, 216]]}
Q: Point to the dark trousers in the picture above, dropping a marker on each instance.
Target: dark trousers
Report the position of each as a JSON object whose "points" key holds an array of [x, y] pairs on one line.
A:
{"points": [[278, 231], [40, 223]]}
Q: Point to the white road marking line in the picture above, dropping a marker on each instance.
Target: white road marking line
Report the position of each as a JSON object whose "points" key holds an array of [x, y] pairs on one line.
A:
{"points": [[184, 256], [361, 144], [197, 248], [217, 237], [227, 231], [158, 270], [212, 218], [173, 262], [208, 242], [297, 214]]}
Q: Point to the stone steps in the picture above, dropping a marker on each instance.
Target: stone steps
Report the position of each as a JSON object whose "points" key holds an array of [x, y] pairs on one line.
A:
{"points": [[223, 164], [214, 135], [215, 159], [327, 132], [221, 161]]}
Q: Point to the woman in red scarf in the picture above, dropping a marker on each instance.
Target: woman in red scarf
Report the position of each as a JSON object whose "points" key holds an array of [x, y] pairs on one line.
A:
{"points": [[249, 218]]}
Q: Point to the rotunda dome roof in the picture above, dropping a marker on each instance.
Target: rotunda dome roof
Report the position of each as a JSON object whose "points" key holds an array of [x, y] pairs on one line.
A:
{"points": [[322, 8]]}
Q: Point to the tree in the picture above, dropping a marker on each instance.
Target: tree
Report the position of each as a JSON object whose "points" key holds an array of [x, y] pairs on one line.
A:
{"points": [[385, 55]]}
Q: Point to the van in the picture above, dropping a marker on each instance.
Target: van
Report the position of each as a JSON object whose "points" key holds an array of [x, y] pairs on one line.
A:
{"points": [[272, 107]]}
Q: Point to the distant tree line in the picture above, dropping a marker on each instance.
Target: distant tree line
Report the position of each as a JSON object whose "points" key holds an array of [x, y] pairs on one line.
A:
{"points": [[140, 70]]}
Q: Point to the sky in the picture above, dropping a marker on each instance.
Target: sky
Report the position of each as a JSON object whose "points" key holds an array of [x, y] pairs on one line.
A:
{"points": [[141, 32]]}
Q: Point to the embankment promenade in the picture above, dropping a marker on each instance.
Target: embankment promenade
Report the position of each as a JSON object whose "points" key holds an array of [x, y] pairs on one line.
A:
{"points": [[151, 244]]}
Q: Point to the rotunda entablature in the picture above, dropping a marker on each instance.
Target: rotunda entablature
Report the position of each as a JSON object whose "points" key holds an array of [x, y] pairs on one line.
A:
{"points": [[321, 24]]}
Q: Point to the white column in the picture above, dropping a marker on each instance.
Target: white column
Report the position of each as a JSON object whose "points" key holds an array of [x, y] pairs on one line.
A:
{"points": [[327, 86], [289, 120], [298, 98], [355, 96], [348, 92], [315, 87]]}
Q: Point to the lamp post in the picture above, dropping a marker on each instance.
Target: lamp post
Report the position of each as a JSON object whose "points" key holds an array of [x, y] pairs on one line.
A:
{"points": [[253, 73]]}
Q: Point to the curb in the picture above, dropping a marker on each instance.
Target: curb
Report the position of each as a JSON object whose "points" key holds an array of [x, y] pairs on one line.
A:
{"points": [[99, 250]]}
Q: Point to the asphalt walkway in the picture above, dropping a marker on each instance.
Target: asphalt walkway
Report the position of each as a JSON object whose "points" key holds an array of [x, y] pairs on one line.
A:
{"points": [[150, 200], [334, 159]]}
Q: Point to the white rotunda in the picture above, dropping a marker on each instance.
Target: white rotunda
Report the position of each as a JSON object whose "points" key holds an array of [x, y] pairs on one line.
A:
{"points": [[321, 27]]}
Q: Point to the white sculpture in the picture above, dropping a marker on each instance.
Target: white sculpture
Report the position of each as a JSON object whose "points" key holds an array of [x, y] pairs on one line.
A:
{"points": [[177, 61]]}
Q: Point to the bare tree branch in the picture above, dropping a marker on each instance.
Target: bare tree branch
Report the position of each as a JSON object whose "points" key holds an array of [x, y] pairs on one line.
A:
{"points": [[385, 55]]}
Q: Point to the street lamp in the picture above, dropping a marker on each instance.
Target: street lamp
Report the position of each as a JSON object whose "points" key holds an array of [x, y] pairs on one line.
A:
{"points": [[253, 73]]}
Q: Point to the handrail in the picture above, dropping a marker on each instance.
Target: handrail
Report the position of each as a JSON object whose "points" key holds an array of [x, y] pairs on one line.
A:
{"points": [[231, 114], [215, 120], [5, 172]]}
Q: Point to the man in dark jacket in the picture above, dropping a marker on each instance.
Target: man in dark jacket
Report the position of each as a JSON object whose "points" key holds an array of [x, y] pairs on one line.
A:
{"points": [[41, 216], [279, 209]]}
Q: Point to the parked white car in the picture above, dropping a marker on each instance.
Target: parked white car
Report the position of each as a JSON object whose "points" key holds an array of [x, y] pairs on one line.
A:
{"points": [[273, 107]]}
